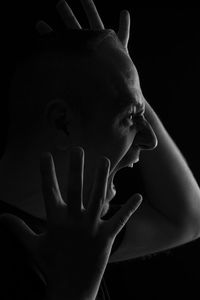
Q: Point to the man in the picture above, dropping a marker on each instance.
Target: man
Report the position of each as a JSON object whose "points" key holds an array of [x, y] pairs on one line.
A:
{"points": [[168, 217]]}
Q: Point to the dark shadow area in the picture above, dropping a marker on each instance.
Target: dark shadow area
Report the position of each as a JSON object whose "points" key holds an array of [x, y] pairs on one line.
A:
{"points": [[164, 47]]}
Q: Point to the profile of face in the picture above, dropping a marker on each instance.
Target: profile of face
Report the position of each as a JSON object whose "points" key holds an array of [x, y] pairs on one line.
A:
{"points": [[118, 129]]}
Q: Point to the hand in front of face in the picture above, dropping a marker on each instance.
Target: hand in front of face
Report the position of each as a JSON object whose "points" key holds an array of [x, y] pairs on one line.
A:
{"points": [[74, 251], [94, 19]]}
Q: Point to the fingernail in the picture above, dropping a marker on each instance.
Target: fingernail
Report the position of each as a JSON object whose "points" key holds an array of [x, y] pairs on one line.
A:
{"points": [[76, 151]]}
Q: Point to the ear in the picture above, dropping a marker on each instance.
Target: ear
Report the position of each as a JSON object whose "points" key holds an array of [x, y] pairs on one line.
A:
{"points": [[58, 114], [58, 122]]}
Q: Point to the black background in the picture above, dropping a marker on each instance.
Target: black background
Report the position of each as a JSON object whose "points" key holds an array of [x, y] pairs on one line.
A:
{"points": [[164, 47]]}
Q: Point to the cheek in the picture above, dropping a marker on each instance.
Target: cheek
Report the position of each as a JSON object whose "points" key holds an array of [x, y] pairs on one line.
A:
{"points": [[123, 135], [117, 147], [111, 140], [123, 141]]}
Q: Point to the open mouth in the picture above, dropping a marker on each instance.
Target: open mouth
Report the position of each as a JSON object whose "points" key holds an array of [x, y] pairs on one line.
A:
{"points": [[131, 158], [111, 190]]}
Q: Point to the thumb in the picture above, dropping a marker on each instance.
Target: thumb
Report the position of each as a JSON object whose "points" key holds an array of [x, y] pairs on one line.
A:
{"points": [[123, 215], [21, 230]]}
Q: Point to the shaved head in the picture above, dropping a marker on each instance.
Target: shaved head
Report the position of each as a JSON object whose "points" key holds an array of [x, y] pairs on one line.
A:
{"points": [[52, 67]]}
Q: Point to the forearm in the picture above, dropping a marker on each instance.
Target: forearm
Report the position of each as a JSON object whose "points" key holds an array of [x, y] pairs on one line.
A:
{"points": [[169, 183]]}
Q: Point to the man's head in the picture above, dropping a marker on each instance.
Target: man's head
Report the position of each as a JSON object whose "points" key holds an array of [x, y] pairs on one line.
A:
{"points": [[73, 91], [51, 68]]}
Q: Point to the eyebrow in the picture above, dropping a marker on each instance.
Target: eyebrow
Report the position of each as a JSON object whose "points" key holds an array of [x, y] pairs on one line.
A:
{"points": [[122, 107]]}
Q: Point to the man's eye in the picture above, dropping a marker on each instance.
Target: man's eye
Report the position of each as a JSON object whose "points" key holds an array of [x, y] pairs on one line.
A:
{"points": [[129, 119]]}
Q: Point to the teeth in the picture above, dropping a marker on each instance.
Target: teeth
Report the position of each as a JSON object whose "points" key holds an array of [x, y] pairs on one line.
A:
{"points": [[131, 165]]}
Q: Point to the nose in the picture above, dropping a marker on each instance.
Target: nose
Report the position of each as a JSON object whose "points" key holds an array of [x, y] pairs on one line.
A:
{"points": [[146, 138]]}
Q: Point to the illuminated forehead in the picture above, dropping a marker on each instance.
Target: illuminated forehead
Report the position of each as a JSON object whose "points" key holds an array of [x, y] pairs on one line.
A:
{"points": [[120, 76], [124, 87], [129, 99]]}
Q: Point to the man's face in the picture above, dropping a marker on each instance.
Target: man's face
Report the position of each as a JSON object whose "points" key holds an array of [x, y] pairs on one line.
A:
{"points": [[114, 93]]}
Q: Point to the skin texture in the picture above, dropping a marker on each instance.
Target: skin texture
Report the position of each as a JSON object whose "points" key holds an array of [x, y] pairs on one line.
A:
{"points": [[116, 137], [164, 220], [71, 227], [74, 207]]}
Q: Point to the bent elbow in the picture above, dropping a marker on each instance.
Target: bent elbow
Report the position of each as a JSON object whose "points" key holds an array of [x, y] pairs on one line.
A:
{"points": [[190, 228]]}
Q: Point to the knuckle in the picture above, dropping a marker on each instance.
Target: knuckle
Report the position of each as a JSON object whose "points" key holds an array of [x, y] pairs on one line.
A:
{"points": [[110, 31]]}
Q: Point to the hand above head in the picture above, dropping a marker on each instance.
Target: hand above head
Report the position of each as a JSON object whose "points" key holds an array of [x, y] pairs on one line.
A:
{"points": [[94, 19], [77, 243], [109, 46]]}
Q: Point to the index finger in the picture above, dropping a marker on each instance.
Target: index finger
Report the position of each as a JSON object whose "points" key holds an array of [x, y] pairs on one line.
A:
{"points": [[98, 193], [123, 215], [50, 188], [67, 15], [75, 181], [92, 14]]}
